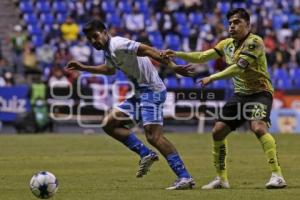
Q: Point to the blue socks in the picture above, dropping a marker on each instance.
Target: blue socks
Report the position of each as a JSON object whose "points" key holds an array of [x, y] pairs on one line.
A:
{"points": [[177, 165], [134, 144]]}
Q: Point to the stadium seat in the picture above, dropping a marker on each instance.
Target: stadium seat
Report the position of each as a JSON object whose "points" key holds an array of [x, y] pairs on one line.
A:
{"points": [[61, 18], [143, 7], [113, 20], [60, 7], [195, 19], [294, 73], [184, 30], [108, 6], [43, 7], [280, 73], [26, 7], [156, 40], [37, 40], [179, 61], [173, 42], [47, 19], [224, 7], [30, 19], [171, 82], [277, 21], [125, 7], [180, 18], [297, 83], [187, 82], [220, 84], [34, 30], [47, 28], [283, 84]]}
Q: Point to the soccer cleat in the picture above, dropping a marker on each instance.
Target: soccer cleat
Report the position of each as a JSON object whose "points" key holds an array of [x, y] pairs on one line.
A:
{"points": [[182, 184], [276, 182], [145, 164], [217, 183]]}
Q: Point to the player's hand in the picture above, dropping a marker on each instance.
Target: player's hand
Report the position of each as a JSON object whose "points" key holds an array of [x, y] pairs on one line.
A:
{"points": [[167, 54], [74, 65], [185, 70], [205, 81]]}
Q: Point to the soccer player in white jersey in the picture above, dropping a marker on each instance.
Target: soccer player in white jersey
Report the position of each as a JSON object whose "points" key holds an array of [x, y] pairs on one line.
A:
{"points": [[132, 58]]}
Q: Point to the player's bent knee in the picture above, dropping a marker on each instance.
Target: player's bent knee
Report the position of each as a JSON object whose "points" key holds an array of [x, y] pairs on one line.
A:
{"points": [[220, 131], [109, 126], [259, 130], [153, 138]]}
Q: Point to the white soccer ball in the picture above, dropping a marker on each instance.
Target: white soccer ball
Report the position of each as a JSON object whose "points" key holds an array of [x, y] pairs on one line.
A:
{"points": [[43, 185]]}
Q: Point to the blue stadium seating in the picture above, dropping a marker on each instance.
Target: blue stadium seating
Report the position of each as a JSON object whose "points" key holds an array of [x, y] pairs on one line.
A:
{"points": [[47, 19], [43, 6], [34, 30], [143, 7], [171, 82], [283, 84], [61, 18], [26, 7], [224, 7], [195, 19], [173, 41], [30, 18], [60, 7], [37, 40], [108, 6], [179, 61], [187, 82], [180, 18], [280, 73], [220, 84], [297, 83], [295, 73], [125, 7], [113, 20], [156, 39], [184, 30]]}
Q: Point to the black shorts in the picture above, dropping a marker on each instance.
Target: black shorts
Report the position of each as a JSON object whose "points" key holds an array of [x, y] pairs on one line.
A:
{"points": [[241, 108]]}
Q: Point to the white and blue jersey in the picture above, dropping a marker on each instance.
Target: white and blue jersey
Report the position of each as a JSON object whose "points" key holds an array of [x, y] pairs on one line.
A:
{"points": [[122, 55], [147, 105]]}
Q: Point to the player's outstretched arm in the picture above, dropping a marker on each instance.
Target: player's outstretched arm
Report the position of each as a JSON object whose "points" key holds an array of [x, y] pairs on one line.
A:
{"points": [[193, 57], [100, 69], [145, 50], [229, 72]]}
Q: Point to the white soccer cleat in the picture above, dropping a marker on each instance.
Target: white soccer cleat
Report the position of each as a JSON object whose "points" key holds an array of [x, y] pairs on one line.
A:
{"points": [[276, 182], [145, 164], [217, 183], [182, 184]]}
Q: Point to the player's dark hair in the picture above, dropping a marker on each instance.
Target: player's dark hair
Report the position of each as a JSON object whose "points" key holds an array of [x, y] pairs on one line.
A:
{"points": [[93, 25], [241, 12]]}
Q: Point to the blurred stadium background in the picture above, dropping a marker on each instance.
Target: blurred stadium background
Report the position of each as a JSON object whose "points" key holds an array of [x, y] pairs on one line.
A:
{"points": [[39, 37]]}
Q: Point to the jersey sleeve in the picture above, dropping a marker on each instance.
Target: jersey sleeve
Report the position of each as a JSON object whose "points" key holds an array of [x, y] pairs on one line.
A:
{"points": [[250, 52], [219, 48], [124, 44]]}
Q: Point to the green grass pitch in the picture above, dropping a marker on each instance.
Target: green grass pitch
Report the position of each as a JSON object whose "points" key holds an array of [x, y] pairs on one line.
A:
{"points": [[96, 167]]}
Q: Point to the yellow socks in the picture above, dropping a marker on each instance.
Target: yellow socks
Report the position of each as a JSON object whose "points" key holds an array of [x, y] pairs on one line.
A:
{"points": [[269, 146], [220, 153]]}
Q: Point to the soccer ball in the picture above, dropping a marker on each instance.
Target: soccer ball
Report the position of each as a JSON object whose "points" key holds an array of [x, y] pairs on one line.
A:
{"points": [[43, 185]]}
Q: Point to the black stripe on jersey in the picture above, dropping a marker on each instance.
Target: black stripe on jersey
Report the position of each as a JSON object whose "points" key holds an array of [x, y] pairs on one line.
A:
{"points": [[248, 54], [218, 52]]}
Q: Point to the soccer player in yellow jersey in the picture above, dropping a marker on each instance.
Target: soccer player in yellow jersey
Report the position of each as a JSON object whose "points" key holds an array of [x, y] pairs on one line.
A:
{"points": [[252, 100]]}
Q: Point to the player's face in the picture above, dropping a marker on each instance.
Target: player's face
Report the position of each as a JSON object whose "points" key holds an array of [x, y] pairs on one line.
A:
{"points": [[238, 27], [98, 39]]}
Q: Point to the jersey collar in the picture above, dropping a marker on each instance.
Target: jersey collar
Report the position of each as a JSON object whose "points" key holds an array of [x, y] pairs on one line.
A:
{"points": [[237, 44]]}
